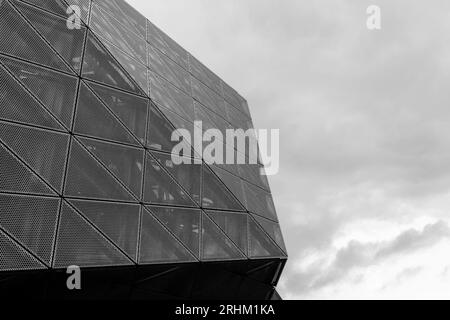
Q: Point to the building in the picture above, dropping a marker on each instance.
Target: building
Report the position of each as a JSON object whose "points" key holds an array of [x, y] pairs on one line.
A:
{"points": [[86, 177]]}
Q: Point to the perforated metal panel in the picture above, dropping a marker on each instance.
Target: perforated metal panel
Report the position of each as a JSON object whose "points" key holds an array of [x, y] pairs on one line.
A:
{"points": [[131, 109], [169, 70], [44, 151], [216, 195], [16, 177], [31, 221], [187, 174], [165, 44], [234, 225], [58, 7], [18, 105], [106, 26], [125, 14], [208, 98], [260, 202], [160, 188], [15, 258], [17, 38], [273, 230], [261, 246], [56, 91], [79, 244], [84, 5], [118, 221], [127, 164], [86, 178], [95, 120], [170, 97], [157, 245], [99, 65], [137, 70], [233, 183], [202, 73], [67, 42], [183, 223], [216, 245]]}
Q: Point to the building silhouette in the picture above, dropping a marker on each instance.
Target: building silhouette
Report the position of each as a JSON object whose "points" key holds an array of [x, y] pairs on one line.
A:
{"points": [[86, 177]]}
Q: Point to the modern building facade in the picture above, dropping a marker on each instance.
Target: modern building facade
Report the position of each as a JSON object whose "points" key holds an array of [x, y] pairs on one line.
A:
{"points": [[86, 174]]}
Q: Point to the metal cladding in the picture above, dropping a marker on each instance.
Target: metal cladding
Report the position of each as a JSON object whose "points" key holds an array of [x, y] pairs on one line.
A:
{"points": [[86, 175]]}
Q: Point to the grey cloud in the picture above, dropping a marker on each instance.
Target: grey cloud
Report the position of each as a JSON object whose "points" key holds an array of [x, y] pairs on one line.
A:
{"points": [[360, 255], [357, 110], [413, 239], [403, 276]]}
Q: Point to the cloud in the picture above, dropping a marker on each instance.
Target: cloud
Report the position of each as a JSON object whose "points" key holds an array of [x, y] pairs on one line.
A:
{"points": [[364, 121], [359, 255]]}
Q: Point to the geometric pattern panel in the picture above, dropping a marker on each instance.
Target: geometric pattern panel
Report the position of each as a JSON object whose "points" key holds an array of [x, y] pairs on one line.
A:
{"points": [[16, 177], [79, 244], [171, 98], [18, 105], [86, 178], [233, 183], [18, 38], [135, 69], [44, 151], [125, 14], [234, 225], [160, 131], [168, 69], [261, 246], [31, 221], [56, 6], [273, 230], [99, 65], [130, 109], [15, 258], [215, 244], [183, 223], [187, 175], [260, 202], [56, 91], [161, 188], [94, 119], [125, 163], [104, 24], [216, 195], [166, 45], [68, 43], [158, 245], [118, 221]]}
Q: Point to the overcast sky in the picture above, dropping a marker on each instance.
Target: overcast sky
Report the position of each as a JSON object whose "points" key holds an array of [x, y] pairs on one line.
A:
{"points": [[363, 193]]}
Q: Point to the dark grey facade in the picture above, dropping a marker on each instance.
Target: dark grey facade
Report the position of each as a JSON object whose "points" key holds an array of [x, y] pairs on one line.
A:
{"points": [[86, 176]]}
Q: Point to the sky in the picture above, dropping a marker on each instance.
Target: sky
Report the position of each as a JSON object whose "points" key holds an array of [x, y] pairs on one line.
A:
{"points": [[363, 192]]}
